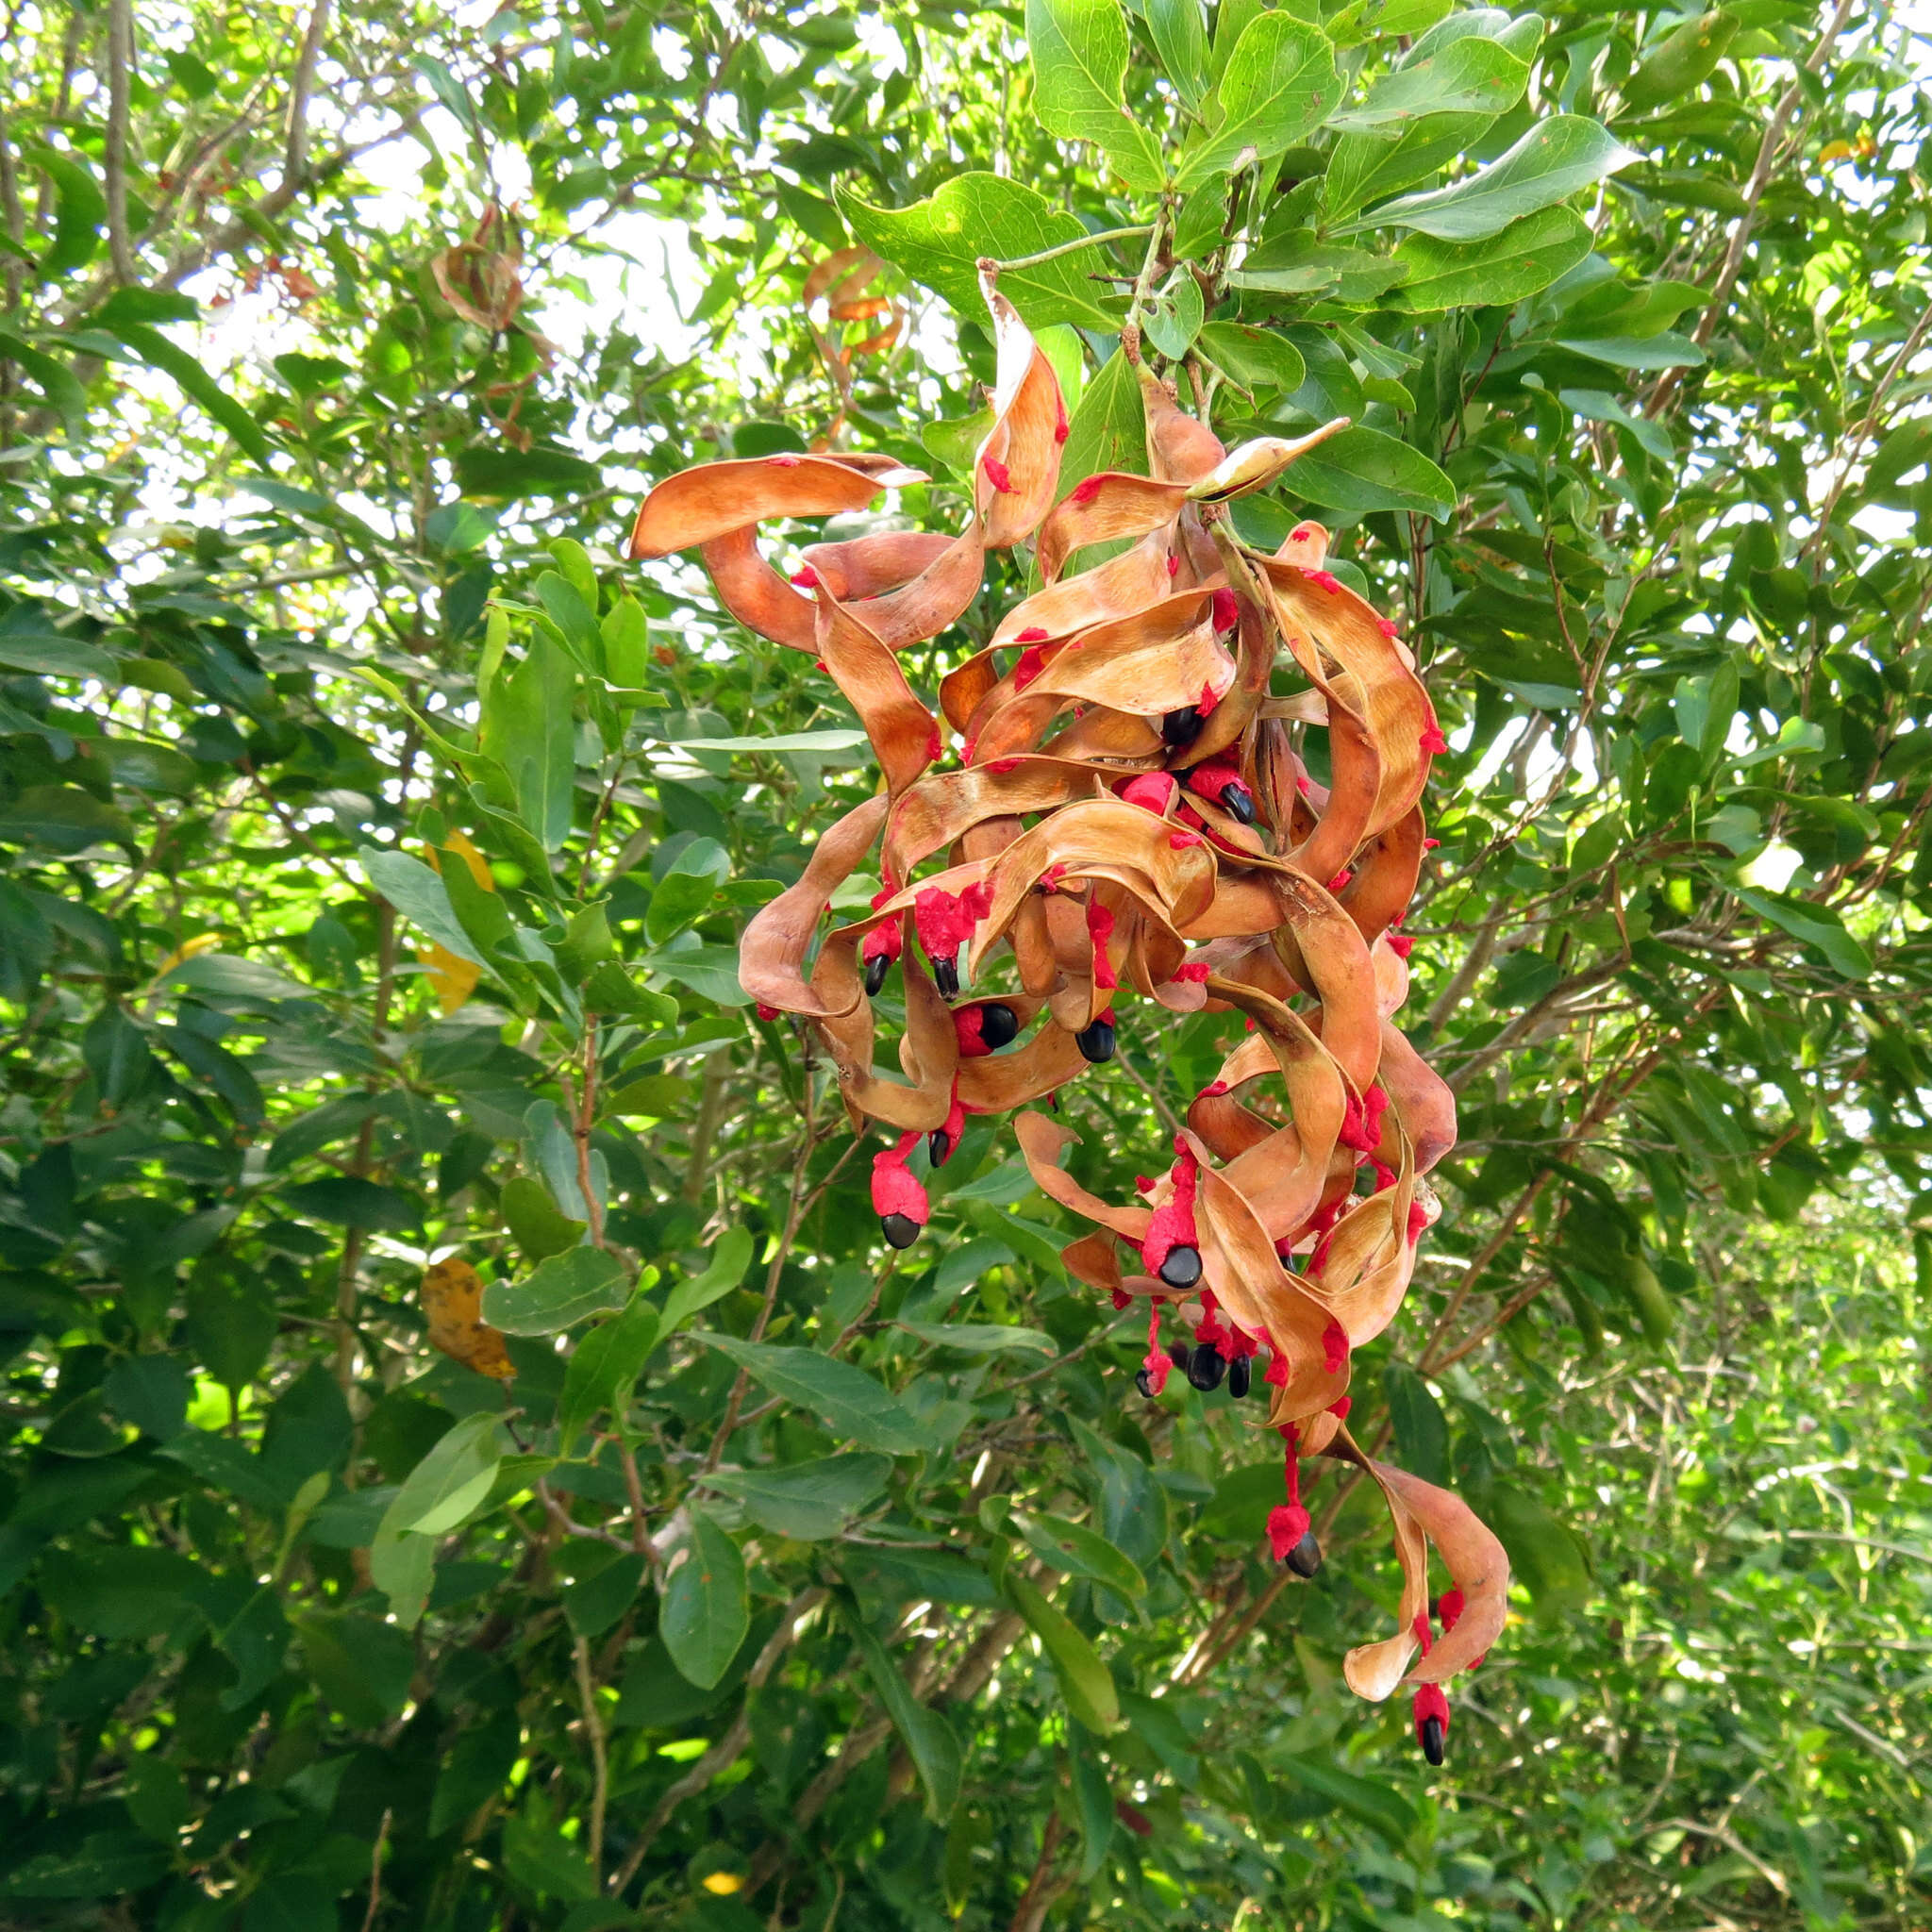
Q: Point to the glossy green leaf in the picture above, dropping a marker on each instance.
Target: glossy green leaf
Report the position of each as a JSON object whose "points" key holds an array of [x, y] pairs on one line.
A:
{"points": [[1362, 469], [1524, 258], [852, 1403], [1079, 50], [706, 1609], [1279, 85], [810, 1500], [1556, 158], [556, 1293], [1085, 1680]]}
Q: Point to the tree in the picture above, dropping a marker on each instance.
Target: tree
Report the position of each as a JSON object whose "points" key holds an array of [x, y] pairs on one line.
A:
{"points": [[377, 846]]}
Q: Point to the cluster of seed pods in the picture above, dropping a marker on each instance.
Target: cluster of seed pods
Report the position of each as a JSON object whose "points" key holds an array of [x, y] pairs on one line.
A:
{"points": [[1129, 809]]}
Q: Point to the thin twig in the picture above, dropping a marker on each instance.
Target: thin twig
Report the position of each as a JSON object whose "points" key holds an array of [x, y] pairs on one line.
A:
{"points": [[600, 1763], [1053, 254]]}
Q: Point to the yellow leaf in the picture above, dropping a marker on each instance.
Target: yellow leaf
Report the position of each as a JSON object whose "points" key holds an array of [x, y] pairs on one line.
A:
{"points": [[454, 979], [460, 843], [453, 1300], [723, 1883], [188, 949]]}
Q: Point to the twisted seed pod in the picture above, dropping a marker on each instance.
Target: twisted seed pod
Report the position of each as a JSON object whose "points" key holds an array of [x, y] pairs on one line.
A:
{"points": [[1129, 813]]}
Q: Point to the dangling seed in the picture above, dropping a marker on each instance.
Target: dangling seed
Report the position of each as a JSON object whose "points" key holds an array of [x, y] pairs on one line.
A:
{"points": [[1183, 726], [900, 1230], [1238, 1376], [939, 1144], [1205, 1367], [945, 975], [1181, 1266], [1238, 802], [1178, 1353], [875, 971], [1305, 1557], [1143, 1384], [1096, 1042], [999, 1026], [1432, 1736]]}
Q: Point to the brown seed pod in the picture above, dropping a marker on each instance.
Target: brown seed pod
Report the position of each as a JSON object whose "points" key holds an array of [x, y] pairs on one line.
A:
{"points": [[1131, 817]]}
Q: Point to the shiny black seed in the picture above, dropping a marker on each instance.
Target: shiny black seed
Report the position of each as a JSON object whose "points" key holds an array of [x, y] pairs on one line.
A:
{"points": [[1206, 1367], [1432, 1739], [938, 1143], [1178, 1355], [1238, 1376], [945, 975], [1305, 1557], [900, 1230], [875, 971], [1183, 726], [1238, 802], [1181, 1266], [998, 1025], [1143, 1384], [1096, 1042]]}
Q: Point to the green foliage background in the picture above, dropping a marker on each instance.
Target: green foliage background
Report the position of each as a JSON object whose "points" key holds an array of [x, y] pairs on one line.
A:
{"points": [[754, 1601]]}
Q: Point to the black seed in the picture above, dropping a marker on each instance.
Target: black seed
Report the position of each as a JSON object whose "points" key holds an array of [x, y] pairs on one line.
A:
{"points": [[1305, 1557], [900, 1230], [938, 1143], [876, 970], [1143, 1384], [1432, 1739], [1206, 1367], [1178, 1355], [1182, 726], [1238, 1376], [945, 975], [1096, 1042], [998, 1025], [1181, 1266], [1238, 802]]}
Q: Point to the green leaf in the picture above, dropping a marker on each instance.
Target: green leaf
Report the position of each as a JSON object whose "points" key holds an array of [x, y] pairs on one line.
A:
{"points": [[1470, 75], [685, 893], [1278, 87], [507, 475], [1556, 158], [451, 1480], [705, 1611], [1422, 1432], [64, 818], [730, 1257], [1079, 50], [419, 894], [1180, 38], [836, 738], [930, 1741], [1681, 62], [1085, 1681], [1368, 1800], [1256, 357], [849, 1401], [563, 1290], [153, 348], [62, 389], [362, 1666], [1364, 167], [1545, 1555], [1667, 350], [604, 1368], [538, 1225], [1363, 468], [981, 1337], [596, 1597], [1174, 320], [1108, 429], [1526, 256], [709, 971], [809, 1500], [937, 242], [527, 729], [80, 210], [1817, 926], [1077, 1551]]}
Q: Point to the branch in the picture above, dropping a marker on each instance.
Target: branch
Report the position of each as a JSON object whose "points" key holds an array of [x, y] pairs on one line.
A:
{"points": [[120, 75], [599, 1762], [1719, 302], [734, 1741], [996, 268], [300, 84]]}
